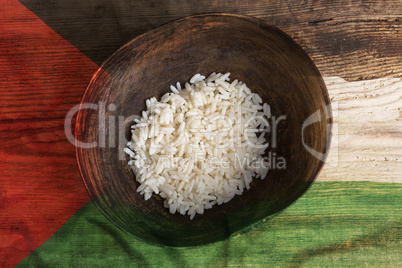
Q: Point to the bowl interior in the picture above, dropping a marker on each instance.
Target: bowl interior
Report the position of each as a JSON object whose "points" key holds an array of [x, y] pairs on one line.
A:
{"points": [[260, 55]]}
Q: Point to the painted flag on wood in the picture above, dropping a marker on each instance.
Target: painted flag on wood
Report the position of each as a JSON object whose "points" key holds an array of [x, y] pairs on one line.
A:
{"points": [[47, 219]]}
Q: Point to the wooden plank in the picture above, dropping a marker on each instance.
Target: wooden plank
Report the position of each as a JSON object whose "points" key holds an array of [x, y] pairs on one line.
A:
{"points": [[42, 78], [351, 39], [367, 141], [335, 224]]}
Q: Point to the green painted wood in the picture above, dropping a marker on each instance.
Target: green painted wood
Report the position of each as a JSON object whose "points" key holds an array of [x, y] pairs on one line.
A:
{"points": [[335, 224]]}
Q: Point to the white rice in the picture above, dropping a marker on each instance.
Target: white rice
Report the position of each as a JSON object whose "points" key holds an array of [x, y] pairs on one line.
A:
{"points": [[201, 144]]}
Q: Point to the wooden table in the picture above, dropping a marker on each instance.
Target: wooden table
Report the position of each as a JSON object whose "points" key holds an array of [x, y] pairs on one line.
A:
{"points": [[50, 50], [355, 41]]}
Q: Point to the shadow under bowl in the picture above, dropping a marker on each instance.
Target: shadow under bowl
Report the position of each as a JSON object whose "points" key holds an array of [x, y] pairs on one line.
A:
{"points": [[263, 57]]}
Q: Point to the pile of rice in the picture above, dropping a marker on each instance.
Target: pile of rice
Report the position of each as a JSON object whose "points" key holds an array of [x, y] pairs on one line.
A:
{"points": [[200, 145]]}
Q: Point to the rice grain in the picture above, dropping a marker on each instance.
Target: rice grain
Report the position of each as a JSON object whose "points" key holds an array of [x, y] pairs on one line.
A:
{"points": [[196, 145]]}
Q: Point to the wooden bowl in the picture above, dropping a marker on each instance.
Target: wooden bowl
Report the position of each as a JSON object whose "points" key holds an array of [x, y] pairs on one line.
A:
{"points": [[260, 55]]}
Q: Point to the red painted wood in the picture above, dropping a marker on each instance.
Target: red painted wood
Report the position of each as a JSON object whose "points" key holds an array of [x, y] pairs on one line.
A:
{"points": [[42, 78]]}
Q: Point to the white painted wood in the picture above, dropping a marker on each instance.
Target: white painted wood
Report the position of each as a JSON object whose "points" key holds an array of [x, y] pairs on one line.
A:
{"points": [[367, 140]]}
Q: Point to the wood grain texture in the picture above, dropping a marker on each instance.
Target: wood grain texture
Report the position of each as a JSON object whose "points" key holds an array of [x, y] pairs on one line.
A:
{"points": [[367, 143], [351, 39], [335, 224], [42, 77]]}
